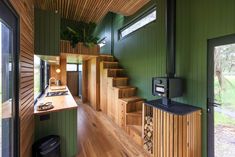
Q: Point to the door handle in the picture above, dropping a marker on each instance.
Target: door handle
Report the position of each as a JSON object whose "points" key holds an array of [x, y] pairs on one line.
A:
{"points": [[214, 104], [217, 104]]}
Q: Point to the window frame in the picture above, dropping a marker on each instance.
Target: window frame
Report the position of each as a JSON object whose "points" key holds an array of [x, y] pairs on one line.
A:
{"points": [[41, 82], [12, 18], [72, 70], [136, 19], [79, 67], [46, 67], [102, 42], [42, 79]]}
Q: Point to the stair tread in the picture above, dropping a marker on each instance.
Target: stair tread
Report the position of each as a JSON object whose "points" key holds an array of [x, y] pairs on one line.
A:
{"points": [[134, 113], [105, 55], [131, 99], [110, 65], [111, 62], [107, 58], [136, 128], [116, 69], [119, 78], [125, 87]]}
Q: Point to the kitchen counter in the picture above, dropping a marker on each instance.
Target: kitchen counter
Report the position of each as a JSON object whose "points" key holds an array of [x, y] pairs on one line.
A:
{"points": [[60, 103], [61, 120]]}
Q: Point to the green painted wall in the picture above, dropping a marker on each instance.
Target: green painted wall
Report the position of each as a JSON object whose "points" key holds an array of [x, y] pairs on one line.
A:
{"points": [[64, 124], [142, 53], [47, 33], [105, 30]]}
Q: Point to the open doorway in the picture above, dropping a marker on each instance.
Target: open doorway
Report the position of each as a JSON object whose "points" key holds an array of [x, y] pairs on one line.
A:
{"points": [[221, 97], [72, 78]]}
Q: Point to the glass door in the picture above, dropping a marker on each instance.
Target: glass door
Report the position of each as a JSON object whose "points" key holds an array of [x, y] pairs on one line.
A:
{"points": [[221, 94], [6, 87], [224, 98], [8, 84]]}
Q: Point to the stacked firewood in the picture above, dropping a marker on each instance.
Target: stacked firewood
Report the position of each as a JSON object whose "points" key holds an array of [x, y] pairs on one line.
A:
{"points": [[148, 134]]}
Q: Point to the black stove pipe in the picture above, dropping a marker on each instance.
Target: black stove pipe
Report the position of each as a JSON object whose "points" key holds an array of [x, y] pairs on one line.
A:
{"points": [[170, 34], [170, 43]]}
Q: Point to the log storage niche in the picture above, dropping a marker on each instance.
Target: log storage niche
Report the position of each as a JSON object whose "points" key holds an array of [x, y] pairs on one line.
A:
{"points": [[148, 128], [176, 130]]}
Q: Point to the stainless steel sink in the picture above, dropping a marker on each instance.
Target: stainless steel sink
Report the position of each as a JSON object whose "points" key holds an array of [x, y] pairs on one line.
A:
{"points": [[58, 93]]}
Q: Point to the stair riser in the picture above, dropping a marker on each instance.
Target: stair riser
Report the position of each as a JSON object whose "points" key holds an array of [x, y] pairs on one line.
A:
{"points": [[108, 59], [134, 119], [125, 93], [126, 111], [135, 106], [110, 65], [115, 73], [120, 82]]}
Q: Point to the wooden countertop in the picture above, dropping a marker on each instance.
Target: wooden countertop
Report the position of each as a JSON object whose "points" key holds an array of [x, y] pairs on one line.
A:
{"points": [[176, 108], [60, 103]]}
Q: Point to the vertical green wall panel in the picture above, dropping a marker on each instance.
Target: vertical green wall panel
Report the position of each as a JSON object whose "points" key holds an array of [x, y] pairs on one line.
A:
{"points": [[142, 53], [47, 33], [105, 30], [64, 124], [213, 19]]}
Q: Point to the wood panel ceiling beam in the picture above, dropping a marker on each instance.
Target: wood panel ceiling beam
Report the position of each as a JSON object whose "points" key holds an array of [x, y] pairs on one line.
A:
{"points": [[90, 10]]}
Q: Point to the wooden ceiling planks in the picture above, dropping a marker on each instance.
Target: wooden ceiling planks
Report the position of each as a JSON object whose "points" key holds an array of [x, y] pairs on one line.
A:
{"points": [[90, 10]]}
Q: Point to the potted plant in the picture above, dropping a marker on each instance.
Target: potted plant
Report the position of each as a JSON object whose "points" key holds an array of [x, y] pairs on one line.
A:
{"points": [[83, 32]]}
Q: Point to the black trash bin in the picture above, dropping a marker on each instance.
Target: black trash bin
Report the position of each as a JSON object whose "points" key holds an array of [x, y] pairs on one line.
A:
{"points": [[48, 146]]}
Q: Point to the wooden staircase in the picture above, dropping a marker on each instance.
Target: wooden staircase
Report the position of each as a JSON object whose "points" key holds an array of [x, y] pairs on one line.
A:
{"points": [[118, 100]]}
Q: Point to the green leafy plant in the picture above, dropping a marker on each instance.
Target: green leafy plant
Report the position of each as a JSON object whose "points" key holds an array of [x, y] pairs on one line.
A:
{"points": [[71, 35], [81, 32]]}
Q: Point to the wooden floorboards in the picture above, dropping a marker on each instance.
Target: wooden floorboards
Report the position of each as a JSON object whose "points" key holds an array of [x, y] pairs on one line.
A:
{"points": [[98, 136]]}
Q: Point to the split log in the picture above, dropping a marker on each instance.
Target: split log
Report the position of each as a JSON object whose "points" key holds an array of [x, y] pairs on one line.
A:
{"points": [[148, 134]]}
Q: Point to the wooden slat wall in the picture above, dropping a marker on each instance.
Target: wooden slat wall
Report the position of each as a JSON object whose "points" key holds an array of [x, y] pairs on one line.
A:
{"points": [[177, 135], [103, 88], [84, 81], [93, 78], [90, 10], [63, 72], [26, 12], [65, 47]]}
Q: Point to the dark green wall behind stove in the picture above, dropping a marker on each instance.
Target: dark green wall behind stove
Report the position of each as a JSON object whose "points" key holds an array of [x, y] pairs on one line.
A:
{"points": [[142, 53]]}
